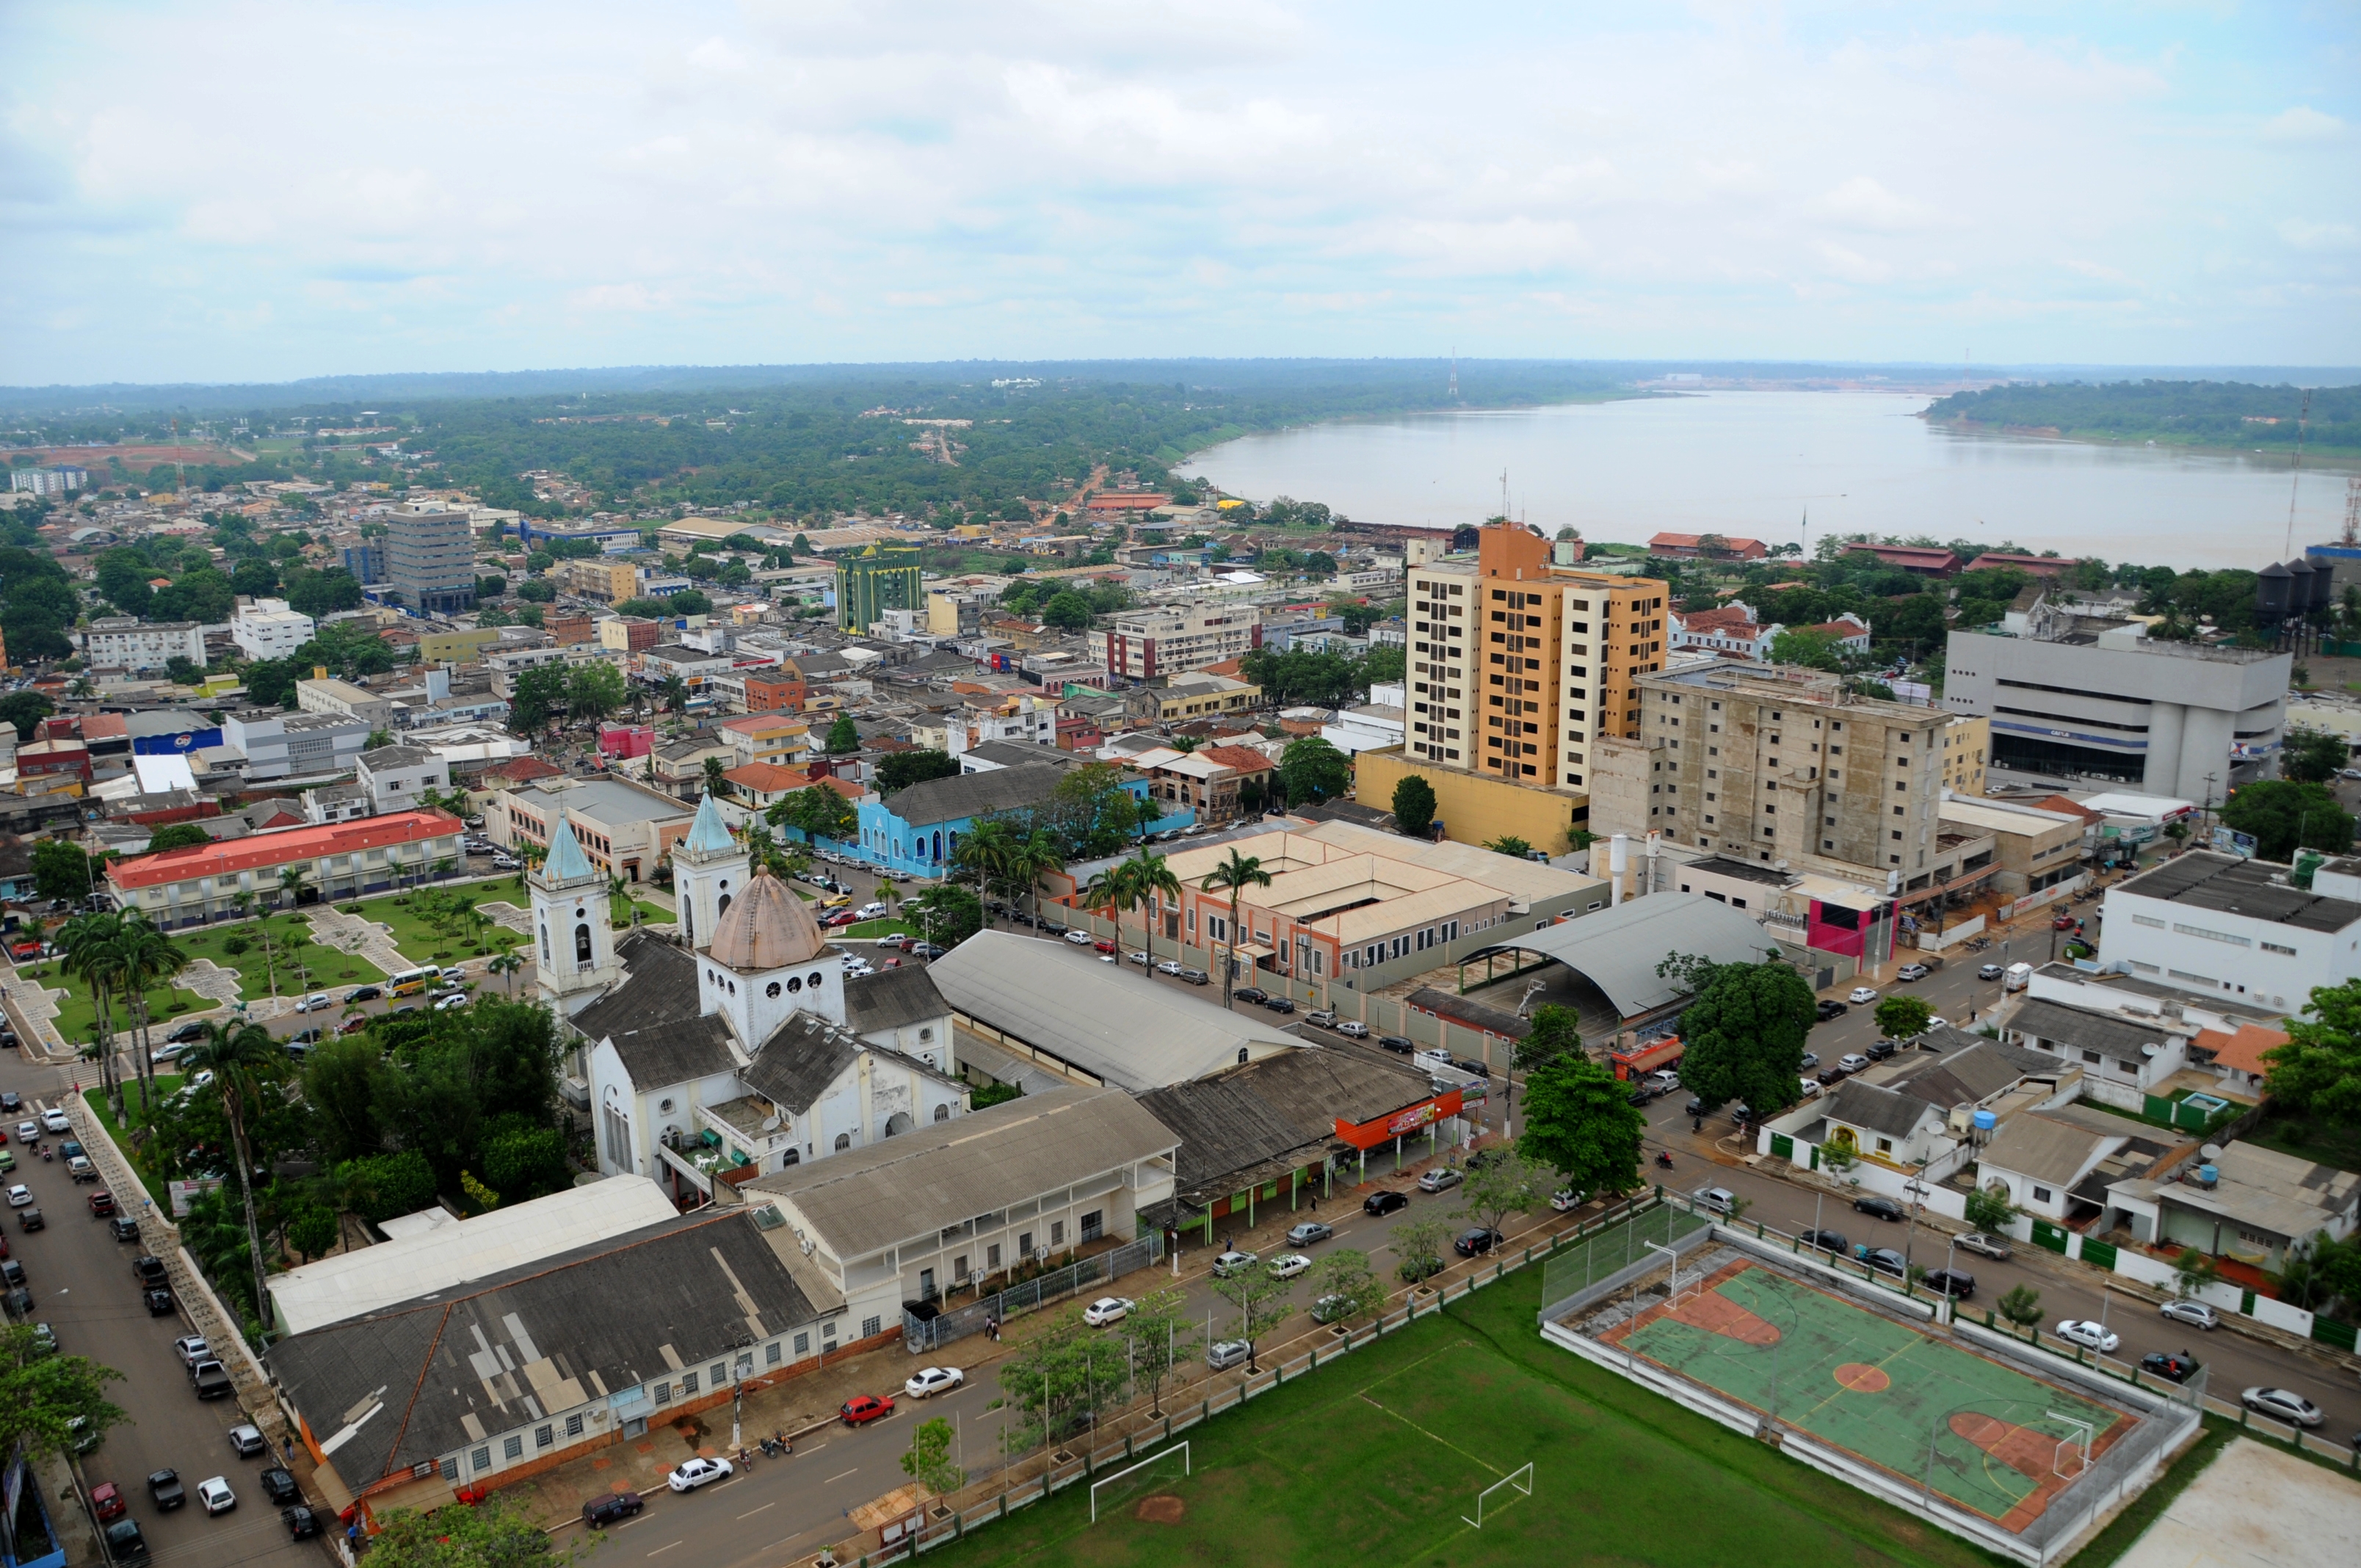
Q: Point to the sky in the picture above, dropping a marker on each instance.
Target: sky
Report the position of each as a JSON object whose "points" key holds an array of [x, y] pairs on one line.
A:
{"points": [[245, 190]]}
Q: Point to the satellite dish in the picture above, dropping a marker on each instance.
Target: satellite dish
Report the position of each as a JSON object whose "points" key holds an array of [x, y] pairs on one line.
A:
{"points": [[771, 1123], [2211, 1152]]}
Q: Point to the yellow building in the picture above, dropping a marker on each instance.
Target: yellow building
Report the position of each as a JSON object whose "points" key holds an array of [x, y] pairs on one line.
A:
{"points": [[1517, 663], [1201, 696], [597, 577], [463, 647], [1472, 808], [1966, 743]]}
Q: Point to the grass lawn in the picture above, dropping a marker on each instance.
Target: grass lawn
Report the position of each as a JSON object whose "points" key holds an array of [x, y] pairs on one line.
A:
{"points": [[419, 941], [881, 928], [618, 911], [1377, 1457], [313, 966], [96, 1100], [77, 1013]]}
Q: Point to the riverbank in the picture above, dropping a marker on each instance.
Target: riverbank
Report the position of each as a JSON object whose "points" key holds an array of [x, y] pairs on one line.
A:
{"points": [[2340, 458]]}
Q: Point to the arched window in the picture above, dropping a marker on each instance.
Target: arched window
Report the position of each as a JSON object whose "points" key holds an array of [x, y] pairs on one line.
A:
{"points": [[544, 941], [898, 1122], [938, 844], [723, 908], [942, 1112], [843, 1142], [582, 943], [772, 991], [733, 988], [793, 1156]]}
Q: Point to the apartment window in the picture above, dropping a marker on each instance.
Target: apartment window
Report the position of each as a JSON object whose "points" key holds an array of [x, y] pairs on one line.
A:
{"points": [[481, 1459], [2275, 947], [868, 1327], [2089, 1056], [574, 1424], [688, 1384], [2041, 1195], [513, 1447], [450, 1470], [663, 1393], [545, 1437], [718, 1373], [803, 1345], [772, 1355]]}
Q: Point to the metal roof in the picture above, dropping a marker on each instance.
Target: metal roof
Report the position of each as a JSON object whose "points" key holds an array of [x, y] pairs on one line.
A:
{"points": [[1118, 1027], [1617, 950], [2232, 885]]}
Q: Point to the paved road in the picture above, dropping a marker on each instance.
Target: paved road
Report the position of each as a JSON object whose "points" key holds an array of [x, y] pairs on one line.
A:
{"points": [[83, 1286]]}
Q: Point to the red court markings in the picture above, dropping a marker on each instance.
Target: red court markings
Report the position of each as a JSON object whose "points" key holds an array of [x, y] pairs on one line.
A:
{"points": [[1860, 1378], [1706, 1308]]}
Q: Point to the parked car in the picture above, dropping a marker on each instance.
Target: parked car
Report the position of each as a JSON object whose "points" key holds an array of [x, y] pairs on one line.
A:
{"points": [[317, 1001], [1323, 1016], [1442, 1180], [2089, 1335], [602, 1511], [57, 1121], [1989, 972], [79, 1169], [181, 1034], [1565, 1200], [1879, 1208], [160, 1302], [302, 1523], [1809, 1087], [2282, 1405], [1280, 1004], [1168, 966], [278, 1485], [150, 1270], [448, 1003], [1078, 938], [1827, 1240], [1288, 1265], [1912, 972], [211, 1380], [1884, 1259], [1956, 1283], [1862, 996], [863, 1409], [2196, 1313], [362, 993], [2171, 1369], [1828, 1007], [1110, 1309], [1985, 1245], [1355, 1028], [122, 1228], [191, 1349], [691, 1473], [102, 1203], [1385, 1202], [1476, 1242], [1222, 1354], [933, 1380], [164, 1489], [125, 1544], [1852, 1061], [214, 1496], [1400, 1045], [1811, 1059], [1307, 1233], [106, 1501], [1234, 1262], [1196, 977], [1716, 1200], [1252, 993], [1884, 1048], [248, 1439]]}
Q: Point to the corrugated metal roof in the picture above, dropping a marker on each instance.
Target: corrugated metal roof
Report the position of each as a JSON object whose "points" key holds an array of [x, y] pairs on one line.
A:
{"points": [[1617, 950], [1122, 1028]]}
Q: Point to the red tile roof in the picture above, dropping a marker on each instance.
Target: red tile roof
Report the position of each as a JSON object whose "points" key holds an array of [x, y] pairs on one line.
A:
{"points": [[1704, 623], [1245, 758], [524, 770], [767, 778], [2243, 1051], [266, 852]]}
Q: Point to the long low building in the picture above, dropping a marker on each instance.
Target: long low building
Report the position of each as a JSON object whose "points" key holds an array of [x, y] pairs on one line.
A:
{"points": [[205, 882]]}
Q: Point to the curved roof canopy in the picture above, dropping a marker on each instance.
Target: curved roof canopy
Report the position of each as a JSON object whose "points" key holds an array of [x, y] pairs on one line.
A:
{"points": [[1617, 950]]}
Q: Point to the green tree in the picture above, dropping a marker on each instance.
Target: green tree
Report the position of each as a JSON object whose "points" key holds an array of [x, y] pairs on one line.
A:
{"points": [[1580, 1123], [1555, 1032], [1988, 1208], [44, 1394], [820, 812], [2313, 756], [26, 711], [1413, 805], [946, 914], [242, 1057], [899, 770], [594, 691], [842, 737], [927, 1460], [2285, 816], [534, 699], [2021, 1306], [1343, 1285], [2318, 1071], [540, 590], [1160, 1336], [1496, 1187], [1744, 1035], [1257, 1303], [1068, 612], [493, 1533], [1418, 1244], [1236, 874], [1312, 770], [717, 778], [176, 836], [385, 1186], [1810, 648], [60, 870], [313, 1231], [1058, 1379], [1903, 1017], [2193, 1269]]}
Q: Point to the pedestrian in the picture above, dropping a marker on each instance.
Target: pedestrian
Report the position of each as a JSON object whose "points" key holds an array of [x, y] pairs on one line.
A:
{"points": [[1315, 1202], [290, 1444]]}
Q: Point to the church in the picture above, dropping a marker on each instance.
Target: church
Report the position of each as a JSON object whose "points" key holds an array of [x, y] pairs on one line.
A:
{"points": [[737, 1045]]}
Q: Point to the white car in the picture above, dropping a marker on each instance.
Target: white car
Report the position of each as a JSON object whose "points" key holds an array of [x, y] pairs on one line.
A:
{"points": [[1170, 966], [695, 1472], [171, 1052], [1106, 1309], [1811, 1088], [215, 1495], [1861, 994], [1234, 1262], [1565, 1200], [2283, 1405], [873, 910], [1354, 1027], [1140, 959], [2195, 1313], [191, 1349], [1913, 972], [1288, 1265], [56, 1120], [29, 1131], [934, 1380], [316, 1000], [453, 973], [2089, 1335], [1080, 938], [448, 1003], [20, 1196]]}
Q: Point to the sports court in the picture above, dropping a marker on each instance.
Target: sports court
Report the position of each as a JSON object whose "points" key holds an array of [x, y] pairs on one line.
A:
{"points": [[1992, 1440]]}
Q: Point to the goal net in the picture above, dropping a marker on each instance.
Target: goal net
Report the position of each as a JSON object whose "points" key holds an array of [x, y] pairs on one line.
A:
{"points": [[1140, 1477], [1516, 1483]]}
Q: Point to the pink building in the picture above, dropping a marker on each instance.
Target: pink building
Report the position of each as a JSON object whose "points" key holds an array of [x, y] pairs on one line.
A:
{"points": [[625, 740]]}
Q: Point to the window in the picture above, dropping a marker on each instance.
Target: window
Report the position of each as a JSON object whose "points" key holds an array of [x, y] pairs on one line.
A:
{"points": [[688, 1384], [843, 1142], [574, 1424], [2149, 920], [582, 943], [2041, 1195], [2212, 936], [718, 1373], [663, 1393], [1057, 1232], [1885, 1145], [513, 1447], [803, 1345], [991, 1257], [450, 1470], [481, 1459], [543, 1436], [2275, 947], [1094, 1226], [868, 1327]]}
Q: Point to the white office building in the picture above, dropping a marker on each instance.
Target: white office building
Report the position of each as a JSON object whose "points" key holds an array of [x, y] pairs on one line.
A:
{"points": [[125, 642], [2236, 929], [266, 629]]}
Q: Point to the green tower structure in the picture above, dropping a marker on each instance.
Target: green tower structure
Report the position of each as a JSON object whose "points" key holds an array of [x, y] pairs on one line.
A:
{"points": [[880, 578]]}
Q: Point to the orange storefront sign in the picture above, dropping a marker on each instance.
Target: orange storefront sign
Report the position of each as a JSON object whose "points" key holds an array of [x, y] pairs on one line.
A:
{"points": [[1400, 1124]]}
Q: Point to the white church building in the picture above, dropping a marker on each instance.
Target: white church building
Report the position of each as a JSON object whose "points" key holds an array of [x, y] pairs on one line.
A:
{"points": [[740, 1046]]}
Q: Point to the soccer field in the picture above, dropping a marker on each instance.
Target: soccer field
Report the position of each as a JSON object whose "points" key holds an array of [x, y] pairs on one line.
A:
{"points": [[1377, 1457]]}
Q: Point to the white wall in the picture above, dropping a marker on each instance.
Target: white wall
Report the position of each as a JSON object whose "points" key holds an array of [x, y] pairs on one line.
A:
{"points": [[2158, 939]]}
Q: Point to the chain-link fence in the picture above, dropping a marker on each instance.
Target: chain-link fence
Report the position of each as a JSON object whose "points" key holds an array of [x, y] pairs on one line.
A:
{"points": [[1618, 1242], [955, 1323]]}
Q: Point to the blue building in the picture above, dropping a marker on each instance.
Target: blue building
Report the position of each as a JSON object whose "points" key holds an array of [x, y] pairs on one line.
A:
{"points": [[365, 563], [915, 831], [169, 731]]}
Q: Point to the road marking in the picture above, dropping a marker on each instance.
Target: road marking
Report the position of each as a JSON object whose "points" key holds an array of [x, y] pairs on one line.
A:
{"points": [[749, 1513], [668, 1546], [632, 1524], [834, 1479]]}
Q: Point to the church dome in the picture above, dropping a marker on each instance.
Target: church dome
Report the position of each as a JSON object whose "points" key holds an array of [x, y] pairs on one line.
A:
{"points": [[766, 927]]}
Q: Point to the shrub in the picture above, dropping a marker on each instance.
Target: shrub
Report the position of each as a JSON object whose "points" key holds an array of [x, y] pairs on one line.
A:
{"points": [[233, 946]]}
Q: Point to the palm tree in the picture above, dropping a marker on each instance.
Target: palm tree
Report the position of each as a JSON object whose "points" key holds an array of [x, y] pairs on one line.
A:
{"points": [[89, 947], [717, 779], [1156, 885], [675, 692], [1237, 873], [147, 958], [505, 966], [1031, 856], [240, 1056], [983, 854]]}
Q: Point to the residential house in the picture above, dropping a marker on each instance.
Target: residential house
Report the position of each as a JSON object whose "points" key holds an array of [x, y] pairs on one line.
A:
{"points": [[2251, 1204], [393, 777]]}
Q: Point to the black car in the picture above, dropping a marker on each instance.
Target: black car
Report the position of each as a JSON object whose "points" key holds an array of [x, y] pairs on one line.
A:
{"points": [[614, 1506], [1827, 1240], [2177, 1369], [12, 1102], [160, 1302], [1697, 1107], [12, 1273], [1884, 1259], [1883, 1049], [164, 1486], [1469, 1064], [1641, 1094], [125, 1544], [279, 1486], [1476, 1242], [301, 1523], [19, 1304], [124, 1228], [1281, 1005], [181, 1035], [362, 993], [1956, 1283], [1252, 993], [1830, 1008], [1385, 1202], [1827, 1075], [1879, 1208], [1398, 1043], [31, 1220], [150, 1269]]}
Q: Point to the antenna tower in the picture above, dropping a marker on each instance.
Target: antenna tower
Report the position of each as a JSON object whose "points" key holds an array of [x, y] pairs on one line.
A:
{"points": [[1453, 393], [2295, 477], [2353, 511]]}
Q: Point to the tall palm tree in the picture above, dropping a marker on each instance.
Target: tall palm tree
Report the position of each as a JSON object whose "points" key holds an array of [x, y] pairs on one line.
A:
{"points": [[147, 958], [1154, 883], [1115, 890], [983, 854], [1031, 856], [88, 947], [505, 966], [242, 1057], [1237, 873], [717, 779]]}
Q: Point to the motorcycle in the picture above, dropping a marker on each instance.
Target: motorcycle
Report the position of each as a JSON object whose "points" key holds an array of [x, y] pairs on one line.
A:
{"points": [[776, 1446], [1664, 1161], [46, 1154]]}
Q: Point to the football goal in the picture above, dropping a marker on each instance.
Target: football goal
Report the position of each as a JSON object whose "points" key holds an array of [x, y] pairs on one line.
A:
{"points": [[1520, 1478], [1161, 1458]]}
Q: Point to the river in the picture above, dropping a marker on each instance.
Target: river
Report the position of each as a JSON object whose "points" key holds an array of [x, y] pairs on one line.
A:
{"points": [[1757, 464]]}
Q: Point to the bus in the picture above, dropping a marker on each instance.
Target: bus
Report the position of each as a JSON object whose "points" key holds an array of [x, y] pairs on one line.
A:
{"points": [[411, 982]]}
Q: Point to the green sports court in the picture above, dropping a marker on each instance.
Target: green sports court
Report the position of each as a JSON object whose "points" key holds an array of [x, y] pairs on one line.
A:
{"points": [[1992, 1440]]}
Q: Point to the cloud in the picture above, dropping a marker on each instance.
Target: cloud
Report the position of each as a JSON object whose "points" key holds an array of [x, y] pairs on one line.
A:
{"points": [[1862, 203], [2305, 235], [2303, 123]]}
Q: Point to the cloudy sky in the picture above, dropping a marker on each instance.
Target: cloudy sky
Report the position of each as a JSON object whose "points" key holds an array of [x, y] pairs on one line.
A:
{"points": [[236, 191]]}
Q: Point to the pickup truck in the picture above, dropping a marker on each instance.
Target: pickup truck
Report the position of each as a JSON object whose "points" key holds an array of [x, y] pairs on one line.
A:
{"points": [[211, 1380]]}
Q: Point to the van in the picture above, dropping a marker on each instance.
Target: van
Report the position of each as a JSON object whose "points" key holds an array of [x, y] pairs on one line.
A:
{"points": [[2018, 978], [1433, 1058]]}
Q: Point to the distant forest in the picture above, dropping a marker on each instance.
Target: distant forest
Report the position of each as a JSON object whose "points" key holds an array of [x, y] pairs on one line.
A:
{"points": [[2178, 413], [814, 444]]}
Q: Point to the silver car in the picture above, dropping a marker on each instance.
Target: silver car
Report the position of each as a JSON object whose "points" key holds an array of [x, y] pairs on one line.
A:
{"points": [[1439, 1180], [1222, 1354], [2196, 1313], [2283, 1405], [1990, 1246]]}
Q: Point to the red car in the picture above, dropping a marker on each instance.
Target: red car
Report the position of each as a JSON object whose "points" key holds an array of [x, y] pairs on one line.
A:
{"points": [[863, 1409], [843, 917], [106, 1501], [2064, 923], [1106, 945], [102, 1203]]}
